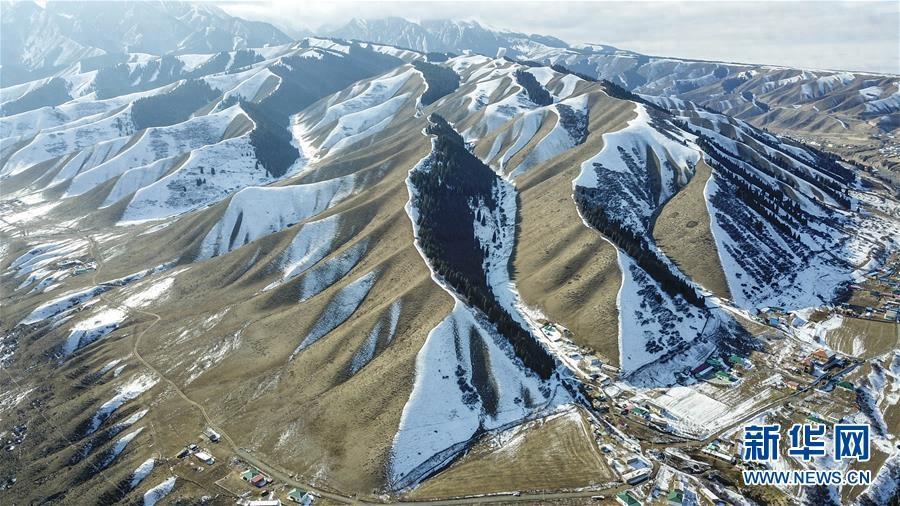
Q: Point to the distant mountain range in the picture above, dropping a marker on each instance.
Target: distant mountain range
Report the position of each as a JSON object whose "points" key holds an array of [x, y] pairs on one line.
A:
{"points": [[37, 40], [441, 35], [793, 100]]}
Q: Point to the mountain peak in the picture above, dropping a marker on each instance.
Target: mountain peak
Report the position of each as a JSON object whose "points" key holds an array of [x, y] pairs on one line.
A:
{"points": [[75, 30]]}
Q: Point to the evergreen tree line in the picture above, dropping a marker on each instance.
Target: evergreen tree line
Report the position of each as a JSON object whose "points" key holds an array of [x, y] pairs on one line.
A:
{"points": [[825, 162], [441, 81], [52, 93], [755, 185], [172, 107], [636, 246], [436, 57], [728, 85], [242, 59], [766, 204], [575, 122], [118, 79], [536, 93], [836, 190], [271, 142], [271, 139], [444, 191]]}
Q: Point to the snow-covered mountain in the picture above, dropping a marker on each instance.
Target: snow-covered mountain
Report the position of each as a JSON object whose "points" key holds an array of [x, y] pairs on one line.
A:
{"points": [[439, 35], [40, 39], [798, 101], [360, 262]]}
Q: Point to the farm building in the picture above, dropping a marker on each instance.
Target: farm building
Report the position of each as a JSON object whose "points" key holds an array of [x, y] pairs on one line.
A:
{"points": [[206, 458], [299, 496], [626, 499]]}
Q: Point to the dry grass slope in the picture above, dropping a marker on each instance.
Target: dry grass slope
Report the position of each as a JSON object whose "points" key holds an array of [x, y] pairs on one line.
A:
{"points": [[566, 269], [682, 231], [555, 453]]}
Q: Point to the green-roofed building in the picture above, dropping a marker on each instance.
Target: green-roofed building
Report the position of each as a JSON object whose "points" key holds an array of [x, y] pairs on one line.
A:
{"points": [[715, 362], [249, 474], [640, 411], [626, 499], [298, 496], [675, 497]]}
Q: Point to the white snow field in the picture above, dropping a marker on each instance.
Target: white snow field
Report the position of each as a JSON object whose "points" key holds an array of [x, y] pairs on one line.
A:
{"points": [[108, 319], [366, 351], [159, 492], [154, 144], [92, 329], [343, 304], [194, 184], [446, 395], [125, 393], [142, 472], [622, 162], [118, 447], [454, 389], [311, 243], [319, 278], [257, 211]]}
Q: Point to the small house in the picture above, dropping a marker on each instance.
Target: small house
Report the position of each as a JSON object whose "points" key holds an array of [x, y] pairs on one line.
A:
{"points": [[635, 477], [626, 499], [675, 497], [717, 363], [702, 370], [212, 435], [737, 360], [820, 355], [260, 480], [299, 496], [205, 457]]}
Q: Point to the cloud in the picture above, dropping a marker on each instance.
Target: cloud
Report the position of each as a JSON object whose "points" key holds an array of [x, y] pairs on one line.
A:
{"points": [[833, 35]]}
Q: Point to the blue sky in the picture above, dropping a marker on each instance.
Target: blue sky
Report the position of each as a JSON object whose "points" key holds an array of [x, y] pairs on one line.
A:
{"points": [[861, 36]]}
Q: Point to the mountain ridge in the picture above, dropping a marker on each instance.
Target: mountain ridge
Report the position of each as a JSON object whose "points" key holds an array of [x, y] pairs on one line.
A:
{"points": [[371, 269]]}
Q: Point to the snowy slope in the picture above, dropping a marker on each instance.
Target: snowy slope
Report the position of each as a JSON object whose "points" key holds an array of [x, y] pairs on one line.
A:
{"points": [[125, 393], [639, 168], [783, 242], [310, 244], [455, 388], [343, 304], [455, 391], [208, 175], [651, 323], [154, 144], [63, 141], [257, 211]]}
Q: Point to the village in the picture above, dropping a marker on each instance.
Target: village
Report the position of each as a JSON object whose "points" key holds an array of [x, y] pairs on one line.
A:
{"points": [[692, 431], [215, 467]]}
